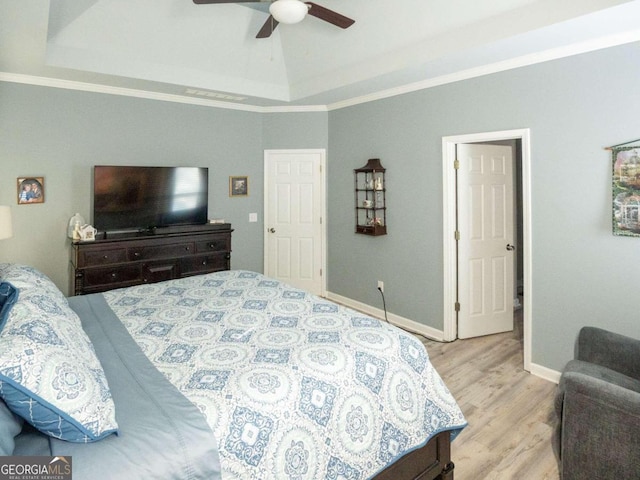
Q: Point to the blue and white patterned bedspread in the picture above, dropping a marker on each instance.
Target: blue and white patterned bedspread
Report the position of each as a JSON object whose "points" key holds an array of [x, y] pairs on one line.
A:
{"points": [[293, 386]]}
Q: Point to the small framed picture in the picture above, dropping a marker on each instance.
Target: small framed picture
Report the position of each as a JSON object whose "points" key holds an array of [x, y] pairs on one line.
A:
{"points": [[238, 186], [30, 190]]}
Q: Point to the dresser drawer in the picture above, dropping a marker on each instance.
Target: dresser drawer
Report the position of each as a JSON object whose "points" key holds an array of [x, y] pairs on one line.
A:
{"points": [[92, 258], [219, 243], [204, 263], [152, 252], [124, 259], [93, 277], [159, 271]]}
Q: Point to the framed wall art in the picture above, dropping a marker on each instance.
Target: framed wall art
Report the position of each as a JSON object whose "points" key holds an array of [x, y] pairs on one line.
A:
{"points": [[626, 189], [238, 186], [30, 190]]}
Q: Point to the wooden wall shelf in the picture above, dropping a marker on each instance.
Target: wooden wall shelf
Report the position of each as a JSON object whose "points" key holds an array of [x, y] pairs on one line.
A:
{"points": [[370, 198]]}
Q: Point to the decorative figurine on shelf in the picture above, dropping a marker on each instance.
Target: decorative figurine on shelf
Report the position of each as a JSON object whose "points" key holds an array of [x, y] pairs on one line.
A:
{"points": [[370, 198]]}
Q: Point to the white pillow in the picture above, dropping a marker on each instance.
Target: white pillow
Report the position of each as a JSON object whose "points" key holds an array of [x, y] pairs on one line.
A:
{"points": [[49, 372]]}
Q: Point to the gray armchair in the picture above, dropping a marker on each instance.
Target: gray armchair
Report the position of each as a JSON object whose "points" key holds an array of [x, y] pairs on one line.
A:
{"points": [[598, 408]]}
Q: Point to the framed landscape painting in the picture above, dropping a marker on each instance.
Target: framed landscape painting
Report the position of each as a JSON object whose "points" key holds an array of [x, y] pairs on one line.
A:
{"points": [[238, 186], [626, 190]]}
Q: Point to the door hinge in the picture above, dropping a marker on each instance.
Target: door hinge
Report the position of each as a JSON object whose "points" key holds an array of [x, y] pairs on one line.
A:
{"points": [[457, 306], [320, 220], [456, 164], [456, 234], [320, 272]]}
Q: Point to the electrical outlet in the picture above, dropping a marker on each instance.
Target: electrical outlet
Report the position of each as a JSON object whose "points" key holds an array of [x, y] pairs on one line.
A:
{"points": [[381, 286]]}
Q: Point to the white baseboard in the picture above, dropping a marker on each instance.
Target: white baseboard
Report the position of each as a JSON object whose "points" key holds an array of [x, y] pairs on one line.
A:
{"points": [[545, 373], [429, 332], [397, 320]]}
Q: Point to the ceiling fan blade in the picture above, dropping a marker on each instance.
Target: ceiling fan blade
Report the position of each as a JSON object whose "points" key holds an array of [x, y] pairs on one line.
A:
{"points": [[329, 15], [268, 27], [207, 2]]}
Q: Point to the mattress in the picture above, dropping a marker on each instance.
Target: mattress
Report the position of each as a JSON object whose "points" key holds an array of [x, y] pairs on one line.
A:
{"points": [[291, 385]]}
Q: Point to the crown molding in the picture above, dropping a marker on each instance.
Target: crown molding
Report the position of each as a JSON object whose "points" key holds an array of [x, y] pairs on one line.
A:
{"points": [[295, 109], [164, 97], [127, 92]]}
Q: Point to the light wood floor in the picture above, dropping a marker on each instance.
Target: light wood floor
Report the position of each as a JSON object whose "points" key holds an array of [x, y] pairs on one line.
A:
{"points": [[510, 412]]}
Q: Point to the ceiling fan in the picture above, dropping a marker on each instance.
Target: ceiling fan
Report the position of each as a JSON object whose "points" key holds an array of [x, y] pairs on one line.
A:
{"points": [[290, 11]]}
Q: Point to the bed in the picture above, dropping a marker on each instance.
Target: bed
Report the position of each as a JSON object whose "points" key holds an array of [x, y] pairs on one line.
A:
{"points": [[229, 375]]}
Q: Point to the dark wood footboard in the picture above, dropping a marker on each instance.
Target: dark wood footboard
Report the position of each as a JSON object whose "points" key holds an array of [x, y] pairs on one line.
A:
{"points": [[433, 461]]}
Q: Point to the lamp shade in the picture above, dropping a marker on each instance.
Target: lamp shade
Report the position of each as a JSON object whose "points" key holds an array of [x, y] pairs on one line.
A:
{"points": [[288, 11], [6, 229]]}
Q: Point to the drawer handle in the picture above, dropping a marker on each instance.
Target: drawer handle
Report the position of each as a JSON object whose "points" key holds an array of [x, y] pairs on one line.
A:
{"points": [[186, 248], [212, 245], [136, 254], [114, 275], [105, 257], [204, 262]]}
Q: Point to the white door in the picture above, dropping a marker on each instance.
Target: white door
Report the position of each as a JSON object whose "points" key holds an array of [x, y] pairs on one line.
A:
{"points": [[486, 245], [294, 206]]}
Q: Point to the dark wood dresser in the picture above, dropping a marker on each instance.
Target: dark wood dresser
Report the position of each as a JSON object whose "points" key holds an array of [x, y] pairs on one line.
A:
{"points": [[124, 260]]}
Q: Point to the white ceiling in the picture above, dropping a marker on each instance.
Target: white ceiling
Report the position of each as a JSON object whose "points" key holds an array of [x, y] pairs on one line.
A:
{"points": [[176, 50]]}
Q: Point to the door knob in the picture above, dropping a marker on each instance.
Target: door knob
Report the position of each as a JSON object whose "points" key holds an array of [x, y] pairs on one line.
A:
{"points": [[510, 247], [272, 230]]}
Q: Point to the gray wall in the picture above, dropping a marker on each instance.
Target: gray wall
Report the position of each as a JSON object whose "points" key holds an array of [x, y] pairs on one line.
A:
{"points": [[295, 130], [61, 134], [574, 107]]}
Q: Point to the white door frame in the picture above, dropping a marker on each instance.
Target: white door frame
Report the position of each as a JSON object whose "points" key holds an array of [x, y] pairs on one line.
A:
{"points": [[449, 226], [323, 201]]}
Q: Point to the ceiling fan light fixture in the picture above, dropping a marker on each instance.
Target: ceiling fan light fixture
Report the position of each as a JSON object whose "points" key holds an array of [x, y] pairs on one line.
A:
{"points": [[288, 11]]}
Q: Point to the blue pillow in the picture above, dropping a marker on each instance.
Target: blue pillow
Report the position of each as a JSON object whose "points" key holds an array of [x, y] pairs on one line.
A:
{"points": [[10, 427], [8, 297], [49, 372]]}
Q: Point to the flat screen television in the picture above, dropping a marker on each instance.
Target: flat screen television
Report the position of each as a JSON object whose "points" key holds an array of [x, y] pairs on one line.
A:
{"points": [[145, 198]]}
